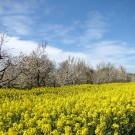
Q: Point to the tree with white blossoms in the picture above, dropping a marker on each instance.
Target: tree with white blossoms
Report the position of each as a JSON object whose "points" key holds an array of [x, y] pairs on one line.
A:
{"points": [[74, 71], [35, 68], [107, 73]]}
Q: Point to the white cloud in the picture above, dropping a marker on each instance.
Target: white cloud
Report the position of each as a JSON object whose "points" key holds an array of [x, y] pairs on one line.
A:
{"points": [[88, 35], [17, 25], [21, 19], [95, 27], [20, 16], [78, 33], [16, 46], [59, 55], [116, 52], [56, 31], [8, 7], [109, 48]]}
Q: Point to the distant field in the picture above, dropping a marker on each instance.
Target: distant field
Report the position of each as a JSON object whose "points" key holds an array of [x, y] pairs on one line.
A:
{"points": [[107, 109]]}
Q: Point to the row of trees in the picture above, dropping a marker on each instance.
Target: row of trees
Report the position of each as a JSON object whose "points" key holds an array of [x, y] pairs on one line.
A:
{"points": [[36, 70]]}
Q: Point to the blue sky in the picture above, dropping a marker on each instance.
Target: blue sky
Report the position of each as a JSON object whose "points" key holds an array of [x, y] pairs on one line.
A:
{"points": [[93, 30]]}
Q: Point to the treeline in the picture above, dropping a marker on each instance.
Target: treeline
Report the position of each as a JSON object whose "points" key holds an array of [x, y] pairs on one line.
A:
{"points": [[36, 70]]}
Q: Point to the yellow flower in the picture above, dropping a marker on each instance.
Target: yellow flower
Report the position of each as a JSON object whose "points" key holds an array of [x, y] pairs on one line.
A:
{"points": [[84, 131], [67, 129], [91, 123], [98, 130], [115, 125], [116, 133], [11, 131], [55, 132], [46, 128], [30, 131], [59, 124]]}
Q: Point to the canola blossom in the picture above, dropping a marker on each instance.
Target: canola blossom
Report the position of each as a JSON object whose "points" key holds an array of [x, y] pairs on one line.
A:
{"points": [[107, 109]]}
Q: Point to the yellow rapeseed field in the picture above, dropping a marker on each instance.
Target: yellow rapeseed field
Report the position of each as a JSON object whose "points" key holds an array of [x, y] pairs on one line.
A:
{"points": [[107, 109]]}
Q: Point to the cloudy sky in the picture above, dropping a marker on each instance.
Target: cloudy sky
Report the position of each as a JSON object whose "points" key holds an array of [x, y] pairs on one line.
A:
{"points": [[94, 30]]}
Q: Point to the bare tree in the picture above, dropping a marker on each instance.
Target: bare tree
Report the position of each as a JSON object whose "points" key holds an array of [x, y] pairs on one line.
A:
{"points": [[10, 74], [3, 40], [5, 63]]}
